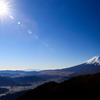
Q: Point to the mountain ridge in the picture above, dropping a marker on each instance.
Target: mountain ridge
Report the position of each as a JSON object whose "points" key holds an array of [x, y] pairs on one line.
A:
{"points": [[80, 87]]}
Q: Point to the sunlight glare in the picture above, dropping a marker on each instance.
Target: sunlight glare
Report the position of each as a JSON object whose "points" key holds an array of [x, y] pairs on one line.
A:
{"points": [[2, 7]]}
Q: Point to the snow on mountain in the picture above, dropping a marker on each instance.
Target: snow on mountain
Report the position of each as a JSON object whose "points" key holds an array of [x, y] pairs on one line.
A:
{"points": [[94, 60]]}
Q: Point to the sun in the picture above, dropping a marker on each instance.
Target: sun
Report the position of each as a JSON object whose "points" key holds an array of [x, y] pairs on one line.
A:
{"points": [[3, 8]]}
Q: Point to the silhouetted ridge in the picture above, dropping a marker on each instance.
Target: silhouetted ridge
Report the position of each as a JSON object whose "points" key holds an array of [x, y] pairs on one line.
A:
{"points": [[83, 87]]}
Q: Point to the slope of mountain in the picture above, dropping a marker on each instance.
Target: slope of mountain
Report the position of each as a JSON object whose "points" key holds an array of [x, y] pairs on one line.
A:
{"points": [[89, 67], [83, 87]]}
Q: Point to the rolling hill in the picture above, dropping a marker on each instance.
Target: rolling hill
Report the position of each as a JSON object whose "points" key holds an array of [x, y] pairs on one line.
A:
{"points": [[27, 79], [8, 82]]}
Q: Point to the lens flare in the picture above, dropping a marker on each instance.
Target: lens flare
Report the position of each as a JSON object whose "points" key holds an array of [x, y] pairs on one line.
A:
{"points": [[5, 9], [11, 17], [19, 23]]}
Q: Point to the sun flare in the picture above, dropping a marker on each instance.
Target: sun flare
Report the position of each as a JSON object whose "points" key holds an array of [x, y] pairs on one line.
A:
{"points": [[3, 8]]}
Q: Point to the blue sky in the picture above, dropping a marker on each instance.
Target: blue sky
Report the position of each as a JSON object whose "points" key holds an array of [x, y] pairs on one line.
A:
{"points": [[49, 34]]}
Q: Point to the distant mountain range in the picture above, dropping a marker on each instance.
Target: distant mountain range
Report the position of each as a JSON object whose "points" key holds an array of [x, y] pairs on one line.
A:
{"points": [[32, 70], [16, 73]]}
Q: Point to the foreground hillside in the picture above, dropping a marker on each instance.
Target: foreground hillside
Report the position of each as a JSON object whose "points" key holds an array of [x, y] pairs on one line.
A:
{"points": [[83, 87]]}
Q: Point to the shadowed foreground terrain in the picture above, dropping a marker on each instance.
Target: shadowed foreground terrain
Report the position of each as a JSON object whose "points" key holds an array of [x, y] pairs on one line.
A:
{"points": [[83, 87], [13, 96]]}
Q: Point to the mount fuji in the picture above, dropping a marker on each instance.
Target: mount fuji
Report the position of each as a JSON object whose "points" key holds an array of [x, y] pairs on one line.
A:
{"points": [[89, 67], [94, 60]]}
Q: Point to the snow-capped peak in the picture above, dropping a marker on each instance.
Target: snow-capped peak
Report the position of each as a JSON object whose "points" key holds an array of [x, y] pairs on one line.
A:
{"points": [[94, 60]]}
